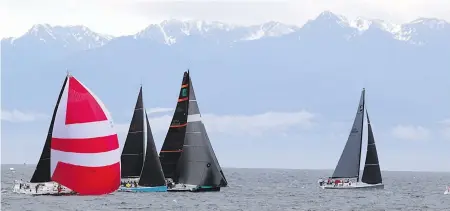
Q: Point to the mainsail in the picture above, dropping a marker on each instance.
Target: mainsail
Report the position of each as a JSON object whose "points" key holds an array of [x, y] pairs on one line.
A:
{"points": [[85, 153], [372, 172], [349, 162], [42, 171], [132, 158], [152, 174], [173, 143]]}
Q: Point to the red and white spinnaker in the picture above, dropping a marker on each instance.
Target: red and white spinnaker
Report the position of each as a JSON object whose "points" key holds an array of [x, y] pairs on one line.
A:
{"points": [[85, 154]]}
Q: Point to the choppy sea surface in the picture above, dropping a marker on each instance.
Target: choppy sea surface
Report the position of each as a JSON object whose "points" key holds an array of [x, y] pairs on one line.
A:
{"points": [[250, 189]]}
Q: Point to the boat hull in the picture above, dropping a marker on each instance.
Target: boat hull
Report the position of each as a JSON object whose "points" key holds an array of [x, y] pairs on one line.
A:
{"points": [[143, 189], [47, 188], [446, 192], [193, 188], [358, 185]]}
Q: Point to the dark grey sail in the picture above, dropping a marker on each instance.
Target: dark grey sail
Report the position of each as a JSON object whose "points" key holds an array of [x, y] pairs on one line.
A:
{"points": [[42, 171], [198, 164], [223, 181], [372, 172], [192, 98], [349, 162], [152, 174], [132, 158]]}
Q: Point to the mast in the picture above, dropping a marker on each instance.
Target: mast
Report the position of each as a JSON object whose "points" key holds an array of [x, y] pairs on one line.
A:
{"points": [[372, 172], [173, 143], [152, 174], [348, 164], [42, 171], [132, 158]]}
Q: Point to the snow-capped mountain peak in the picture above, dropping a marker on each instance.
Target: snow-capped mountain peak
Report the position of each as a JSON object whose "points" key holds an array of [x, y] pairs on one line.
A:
{"points": [[171, 31], [75, 36], [432, 23], [269, 29]]}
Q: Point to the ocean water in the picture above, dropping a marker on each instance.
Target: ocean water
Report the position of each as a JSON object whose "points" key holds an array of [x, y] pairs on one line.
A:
{"points": [[250, 189]]}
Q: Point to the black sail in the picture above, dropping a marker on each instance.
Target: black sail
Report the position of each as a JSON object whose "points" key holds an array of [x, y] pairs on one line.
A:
{"points": [[198, 164], [42, 171], [173, 143], [372, 172], [132, 157], [152, 174], [349, 162]]}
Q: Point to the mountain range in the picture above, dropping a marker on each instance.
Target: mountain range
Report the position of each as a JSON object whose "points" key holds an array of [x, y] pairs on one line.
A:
{"points": [[321, 66]]}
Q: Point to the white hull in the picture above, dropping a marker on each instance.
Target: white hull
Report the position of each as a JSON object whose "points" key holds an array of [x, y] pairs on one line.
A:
{"points": [[446, 192], [358, 185], [47, 188]]}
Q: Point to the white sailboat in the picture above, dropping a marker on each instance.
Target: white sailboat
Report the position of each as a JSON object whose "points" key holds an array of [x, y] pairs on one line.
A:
{"points": [[447, 192], [81, 153], [346, 173]]}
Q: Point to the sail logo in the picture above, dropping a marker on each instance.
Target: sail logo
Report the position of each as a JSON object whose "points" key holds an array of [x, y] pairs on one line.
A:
{"points": [[354, 130], [184, 92], [361, 108], [85, 153]]}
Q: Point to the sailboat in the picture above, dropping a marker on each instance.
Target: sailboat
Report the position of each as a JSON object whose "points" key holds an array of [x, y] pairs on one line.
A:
{"points": [[187, 157], [141, 169], [81, 153], [447, 192], [348, 166]]}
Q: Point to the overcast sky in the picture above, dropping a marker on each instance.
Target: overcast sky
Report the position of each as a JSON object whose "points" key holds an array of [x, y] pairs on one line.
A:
{"points": [[119, 17]]}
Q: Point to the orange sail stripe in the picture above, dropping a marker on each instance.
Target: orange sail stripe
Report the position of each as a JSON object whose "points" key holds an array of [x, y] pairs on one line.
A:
{"points": [[182, 99], [182, 125], [184, 85]]}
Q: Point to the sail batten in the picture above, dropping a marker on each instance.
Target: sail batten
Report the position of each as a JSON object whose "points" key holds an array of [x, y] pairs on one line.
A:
{"points": [[349, 162]]}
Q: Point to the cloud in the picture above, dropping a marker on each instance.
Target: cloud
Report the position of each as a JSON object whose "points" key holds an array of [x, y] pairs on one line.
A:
{"points": [[158, 110], [19, 116], [412, 133], [253, 125]]}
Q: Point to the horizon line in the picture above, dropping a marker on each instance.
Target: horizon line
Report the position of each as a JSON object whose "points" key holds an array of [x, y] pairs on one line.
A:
{"points": [[307, 169]]}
